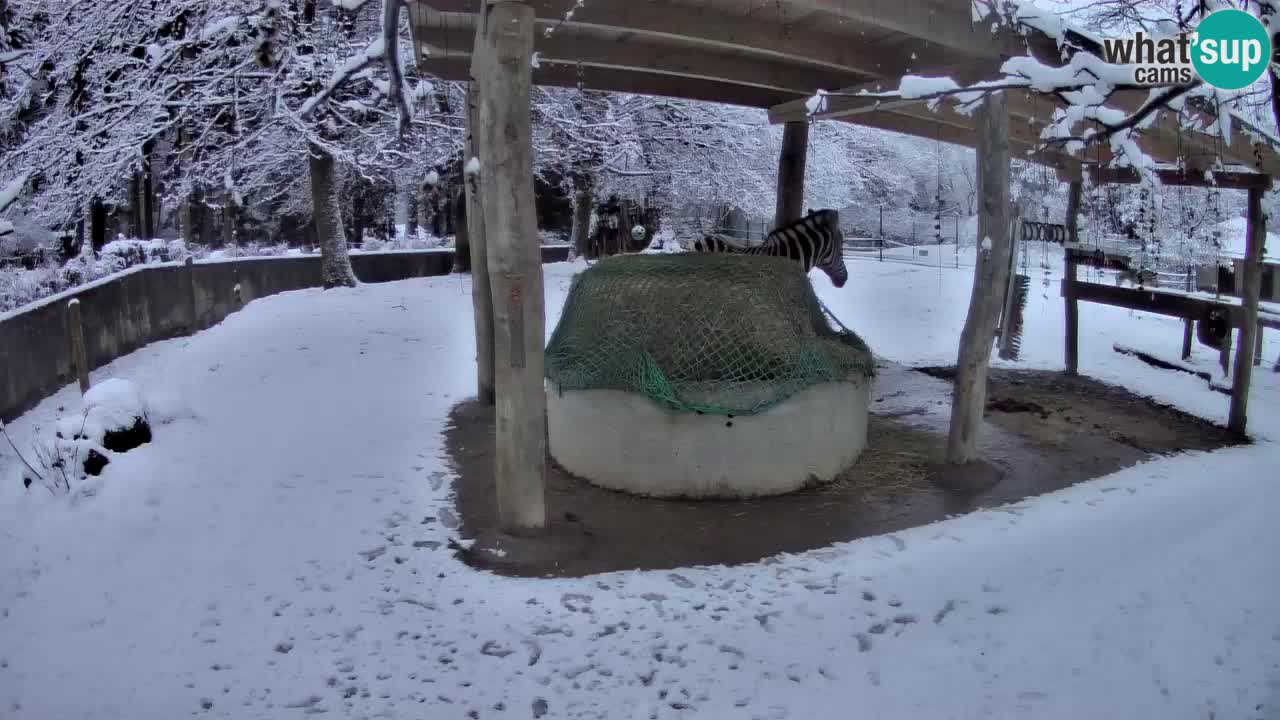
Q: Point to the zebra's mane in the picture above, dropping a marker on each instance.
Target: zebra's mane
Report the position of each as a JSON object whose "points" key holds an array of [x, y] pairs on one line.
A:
{"points": [[821, 218]]}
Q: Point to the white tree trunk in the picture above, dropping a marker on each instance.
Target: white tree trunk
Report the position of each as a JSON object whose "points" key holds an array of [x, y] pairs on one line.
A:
{"points": [[990, 276], [335, 265], [425, 194], [403, 189], [515, 262]]}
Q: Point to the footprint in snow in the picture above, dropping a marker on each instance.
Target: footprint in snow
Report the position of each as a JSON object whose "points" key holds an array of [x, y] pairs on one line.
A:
{"points": [[373, 553], [944, 612], [680, 580], [576, 602]]}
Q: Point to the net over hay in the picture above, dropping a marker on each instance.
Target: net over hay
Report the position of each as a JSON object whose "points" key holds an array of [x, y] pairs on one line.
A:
{"points": [[711, 333]]}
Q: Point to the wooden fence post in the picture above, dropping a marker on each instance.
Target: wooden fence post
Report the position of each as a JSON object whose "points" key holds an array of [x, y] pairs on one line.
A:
{"points": [[189, 266], [995, 243], [1250, 289], [79, 356], [515, 263], [1188, 330], [791, 163], [1071, 350]]}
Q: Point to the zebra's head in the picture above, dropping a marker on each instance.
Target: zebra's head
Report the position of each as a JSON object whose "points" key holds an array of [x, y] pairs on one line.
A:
{"points": [[831, 258]]}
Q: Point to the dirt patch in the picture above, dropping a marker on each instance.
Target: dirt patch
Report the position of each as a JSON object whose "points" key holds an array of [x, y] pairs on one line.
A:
{"points": [[1073, 410], [1052, 432]]}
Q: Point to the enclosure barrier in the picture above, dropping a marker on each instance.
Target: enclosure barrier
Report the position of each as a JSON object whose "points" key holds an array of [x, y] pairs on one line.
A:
{"points": [[130, 309]]}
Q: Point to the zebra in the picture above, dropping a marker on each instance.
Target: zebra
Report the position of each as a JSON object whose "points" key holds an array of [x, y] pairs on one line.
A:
{"points": [[814, 240]]}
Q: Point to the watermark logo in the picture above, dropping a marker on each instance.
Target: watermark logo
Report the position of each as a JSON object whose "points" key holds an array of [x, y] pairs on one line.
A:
{"points": [[1230, 49]]}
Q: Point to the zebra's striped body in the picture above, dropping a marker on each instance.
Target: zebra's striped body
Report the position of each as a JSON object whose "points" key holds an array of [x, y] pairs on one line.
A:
{"points": [[814, 240]]}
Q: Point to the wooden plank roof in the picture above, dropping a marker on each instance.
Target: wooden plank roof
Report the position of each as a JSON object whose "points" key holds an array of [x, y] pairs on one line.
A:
{"points": [[775, 54]]}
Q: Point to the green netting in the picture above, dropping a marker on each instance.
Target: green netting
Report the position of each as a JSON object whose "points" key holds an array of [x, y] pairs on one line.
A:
{"points": [[712, 333]]}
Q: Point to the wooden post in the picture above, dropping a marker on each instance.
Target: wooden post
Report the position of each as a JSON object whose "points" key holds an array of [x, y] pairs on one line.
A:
{"points": [[1257, 347], [1250, 289], [481, 291], [79, 356], [995, 247], [791, 162], [1188, 330], [190, 266], [511, 235], [1072, 349]]}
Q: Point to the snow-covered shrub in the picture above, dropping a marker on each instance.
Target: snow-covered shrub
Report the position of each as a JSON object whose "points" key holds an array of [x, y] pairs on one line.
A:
{"points": [[127, 253], [114, 420]]}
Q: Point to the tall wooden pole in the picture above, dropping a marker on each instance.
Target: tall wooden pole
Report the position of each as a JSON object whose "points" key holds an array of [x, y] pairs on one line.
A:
{"points": [[1072, 351], [995, 248], [1249, 291], [511, 236], [79, 357], [481, 292], [791, 162]]}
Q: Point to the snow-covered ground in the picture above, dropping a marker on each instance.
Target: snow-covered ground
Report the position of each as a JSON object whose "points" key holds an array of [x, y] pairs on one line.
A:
{"points": [[278, 551]]}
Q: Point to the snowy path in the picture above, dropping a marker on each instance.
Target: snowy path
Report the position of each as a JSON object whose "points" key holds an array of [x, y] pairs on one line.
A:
{"points": [[278, 552]]}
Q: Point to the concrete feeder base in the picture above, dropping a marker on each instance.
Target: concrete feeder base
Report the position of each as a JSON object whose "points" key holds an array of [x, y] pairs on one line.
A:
{"points": [[625, 441]]}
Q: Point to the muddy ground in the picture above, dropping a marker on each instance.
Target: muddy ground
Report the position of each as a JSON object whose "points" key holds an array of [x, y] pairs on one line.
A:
{"points": [[1045, 431]]}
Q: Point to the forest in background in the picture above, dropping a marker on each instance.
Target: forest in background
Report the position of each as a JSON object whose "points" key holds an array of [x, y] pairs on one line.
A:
{"points": [[225, 125]]}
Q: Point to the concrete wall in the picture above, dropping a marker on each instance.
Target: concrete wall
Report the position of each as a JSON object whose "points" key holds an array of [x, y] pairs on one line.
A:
{"points": [[624, 441], [142, 305]]}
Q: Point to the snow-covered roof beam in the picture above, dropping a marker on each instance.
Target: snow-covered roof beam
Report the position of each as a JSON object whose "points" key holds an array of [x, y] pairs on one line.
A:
{"points": [[1163, 135]]}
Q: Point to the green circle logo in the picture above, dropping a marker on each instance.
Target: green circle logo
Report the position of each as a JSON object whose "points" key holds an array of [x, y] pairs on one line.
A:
{"points": [[1231, 49]]}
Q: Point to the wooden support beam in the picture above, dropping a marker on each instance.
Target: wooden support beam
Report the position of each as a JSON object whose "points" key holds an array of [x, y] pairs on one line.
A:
{"points": [[511, 235], [1072, 346], [943, 24], [1172, 176], [709, 25], [791, 164], [1163, 137], [446, 35], [626, 81], [481, 290], [969, 393], [1188, 332], [1251, 288]]}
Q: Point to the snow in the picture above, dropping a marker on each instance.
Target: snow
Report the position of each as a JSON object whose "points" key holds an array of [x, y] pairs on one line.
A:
{"points": [[473, 166], [113, 404], [280, 550], [1234, 239], [10, 192], [986, 243], [915, 86], [817, 102], [219, 27]]}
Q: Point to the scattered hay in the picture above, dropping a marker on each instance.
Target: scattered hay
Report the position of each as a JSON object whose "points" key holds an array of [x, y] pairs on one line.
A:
{"points": [[895, 461]]}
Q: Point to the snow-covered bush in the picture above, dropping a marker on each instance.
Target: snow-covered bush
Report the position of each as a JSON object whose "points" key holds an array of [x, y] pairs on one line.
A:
{"points": [[127, 253], [114, 419]]}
